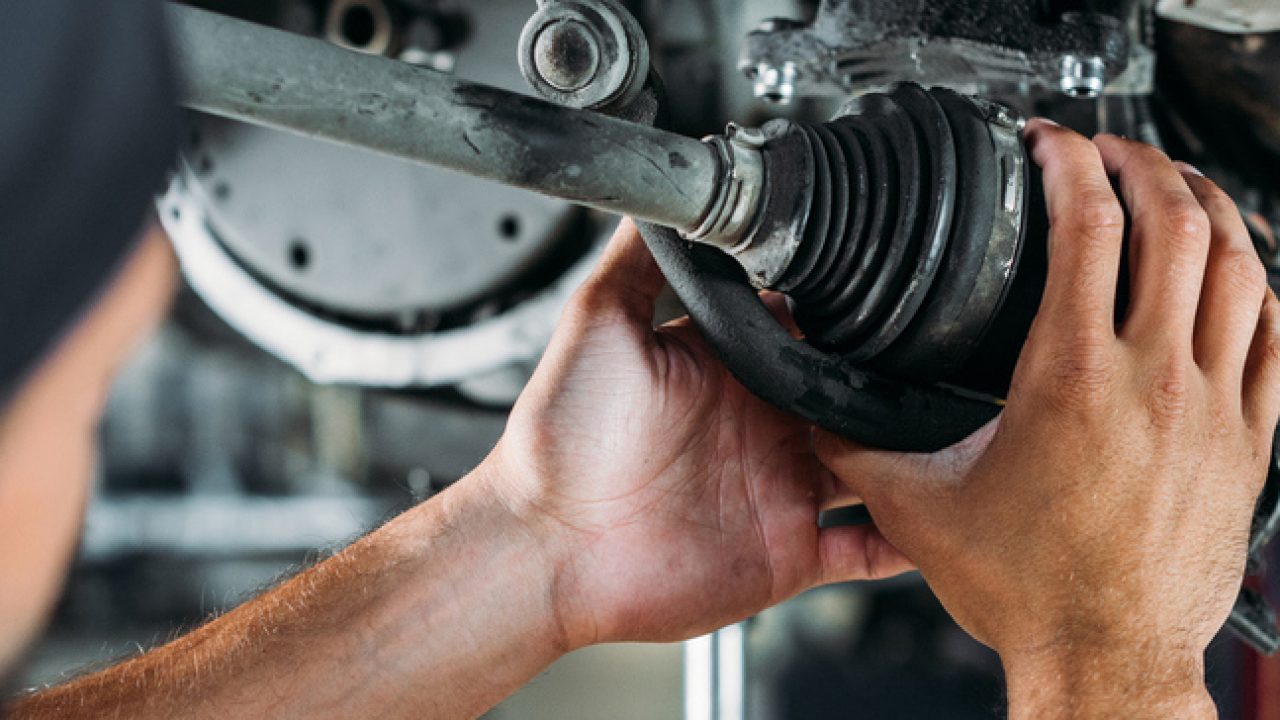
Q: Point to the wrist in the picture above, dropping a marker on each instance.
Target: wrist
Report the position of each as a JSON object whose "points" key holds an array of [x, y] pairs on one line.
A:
{"points": [[545, 545], [1096, 680]]}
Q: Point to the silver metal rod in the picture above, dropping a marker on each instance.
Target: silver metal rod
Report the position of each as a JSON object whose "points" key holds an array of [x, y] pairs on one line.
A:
{"points": [[264, 76], [715, 675]]}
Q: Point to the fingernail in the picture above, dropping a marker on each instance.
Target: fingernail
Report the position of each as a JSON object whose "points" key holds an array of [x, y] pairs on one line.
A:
{"points": [[1047, 121], [1188, 168]]}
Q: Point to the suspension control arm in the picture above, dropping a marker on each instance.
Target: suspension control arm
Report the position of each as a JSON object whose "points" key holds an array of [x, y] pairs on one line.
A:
{"points": [[259, 75]]}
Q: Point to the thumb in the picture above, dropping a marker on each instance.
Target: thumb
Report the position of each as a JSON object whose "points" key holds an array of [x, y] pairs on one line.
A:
{"points": [[858, 553], [889, 480], [776, 303], [627, 281], [877, 476]]}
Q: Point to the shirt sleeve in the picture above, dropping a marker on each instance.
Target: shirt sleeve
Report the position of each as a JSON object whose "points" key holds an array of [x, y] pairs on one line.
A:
{"points": [[88, 127]]}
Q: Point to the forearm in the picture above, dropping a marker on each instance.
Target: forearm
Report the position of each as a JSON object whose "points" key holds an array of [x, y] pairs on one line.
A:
{"points": [[1088, 683], [441, 613]]}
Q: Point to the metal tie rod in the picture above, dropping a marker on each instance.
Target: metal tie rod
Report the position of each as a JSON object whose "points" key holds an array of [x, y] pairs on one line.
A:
{"points": [[260, 75]]}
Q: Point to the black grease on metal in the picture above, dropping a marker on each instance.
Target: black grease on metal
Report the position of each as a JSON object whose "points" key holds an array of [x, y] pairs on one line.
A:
{"points": [[542, 128]]}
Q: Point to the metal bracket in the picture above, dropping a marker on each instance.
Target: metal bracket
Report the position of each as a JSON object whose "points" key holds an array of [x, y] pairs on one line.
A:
{"points": [[967, 45]]}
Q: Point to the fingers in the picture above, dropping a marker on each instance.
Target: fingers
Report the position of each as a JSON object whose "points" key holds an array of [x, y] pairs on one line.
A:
{"points": [[1168, 244], [875, 476], [776, 303], [1262, 371], [885, 478], [858, 553], [832, 493], [1086, 232], [627, 279], [852, 552], [1235, 284]]}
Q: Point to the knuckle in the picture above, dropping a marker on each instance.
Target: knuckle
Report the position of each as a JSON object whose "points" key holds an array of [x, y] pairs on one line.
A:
{"points": [[1270, 351], [1184, 219], [1271, 344], [1168, 402], [1081, 376], [1097, 212], [1169, 395], [1244, 272], [1094, 226], [1213, 196]]}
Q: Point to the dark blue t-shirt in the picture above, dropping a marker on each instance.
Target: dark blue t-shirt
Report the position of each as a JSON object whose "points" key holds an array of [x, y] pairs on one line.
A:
{"points": [[87, 129]]}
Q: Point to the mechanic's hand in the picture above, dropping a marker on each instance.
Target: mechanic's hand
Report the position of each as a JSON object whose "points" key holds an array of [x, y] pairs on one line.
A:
{"points": [[671, 500], [1094, 534]]}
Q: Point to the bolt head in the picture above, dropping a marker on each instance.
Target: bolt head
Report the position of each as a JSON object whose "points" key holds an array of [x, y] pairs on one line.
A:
{"points": [[1082, 77], [776, 85], [566, 55]]}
